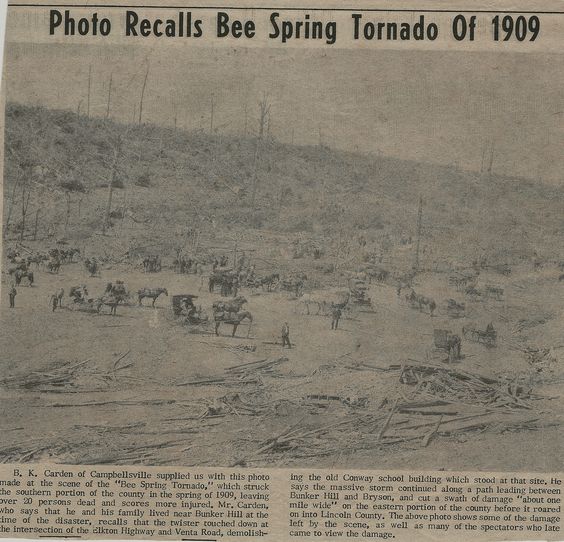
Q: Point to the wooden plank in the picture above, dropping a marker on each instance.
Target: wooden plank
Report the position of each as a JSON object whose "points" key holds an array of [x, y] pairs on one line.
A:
{"points": [[388, 420]]}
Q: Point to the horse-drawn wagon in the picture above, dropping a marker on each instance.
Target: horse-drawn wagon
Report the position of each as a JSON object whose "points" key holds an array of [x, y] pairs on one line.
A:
{"points": [[449, 342], [177, 302], [462, 281], [494, 292], [455, 309], [358, 294], [183, 308], [486, 336]]}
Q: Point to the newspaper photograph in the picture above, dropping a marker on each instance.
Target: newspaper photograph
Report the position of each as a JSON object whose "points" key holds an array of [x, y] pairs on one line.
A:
{"points": [[282, 271]]}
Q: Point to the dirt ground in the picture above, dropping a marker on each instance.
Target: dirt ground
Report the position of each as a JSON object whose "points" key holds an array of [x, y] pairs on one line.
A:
{"points": [[130, 402]]}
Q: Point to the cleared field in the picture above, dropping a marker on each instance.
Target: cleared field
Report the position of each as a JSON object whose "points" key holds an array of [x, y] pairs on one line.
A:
{"points": [[147, 389]]}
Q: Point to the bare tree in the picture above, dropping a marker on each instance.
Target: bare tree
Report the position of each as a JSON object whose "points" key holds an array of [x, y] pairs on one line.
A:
{"points": [[246, 113], [35, 226], [109, 96], [26, 194], [264, 115], [68, 211], [255, 173], [11, 203], [212, 109], [117, 151], [88, 95], [491, 158], [264, 121], [488, 153], [143, 95]]}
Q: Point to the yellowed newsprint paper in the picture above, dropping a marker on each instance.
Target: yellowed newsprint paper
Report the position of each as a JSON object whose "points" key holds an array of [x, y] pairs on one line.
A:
{"points": [[282, 270]]}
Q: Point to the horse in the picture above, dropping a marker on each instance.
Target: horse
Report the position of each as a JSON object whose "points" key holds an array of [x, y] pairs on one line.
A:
{"points": [[117, 290], [269, 281], [420, 301], [324, 301], [67, 255], [110, 301], [230, 306], [151, 293], [423, 302], [19, 274], [293, 284], [37, 259], [378, 274], [22, 265], [54, 265], [233, 318]]}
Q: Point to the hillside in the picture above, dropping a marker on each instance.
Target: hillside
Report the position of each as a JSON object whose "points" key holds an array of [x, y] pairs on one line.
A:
{"points": [[169, 182]]}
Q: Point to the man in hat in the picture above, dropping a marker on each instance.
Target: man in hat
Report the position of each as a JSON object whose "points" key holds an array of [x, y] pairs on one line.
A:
{"points": [[286, 335], [12, 294]]}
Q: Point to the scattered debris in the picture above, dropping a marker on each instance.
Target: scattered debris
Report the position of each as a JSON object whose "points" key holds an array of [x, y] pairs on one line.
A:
{"points": [[61, 376], [455, 385]]}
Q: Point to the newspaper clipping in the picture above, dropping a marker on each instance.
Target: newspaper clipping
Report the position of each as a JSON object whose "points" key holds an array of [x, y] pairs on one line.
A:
{"points": [[285, 270]]}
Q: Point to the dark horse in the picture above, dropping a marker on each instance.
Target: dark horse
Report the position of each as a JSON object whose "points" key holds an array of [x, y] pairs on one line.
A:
{"points": [[269, 281], [113, 296], [151, 293], [233, 318], [19, 274], [111, 301]]}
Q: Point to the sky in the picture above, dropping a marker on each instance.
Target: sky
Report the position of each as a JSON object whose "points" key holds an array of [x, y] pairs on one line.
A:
{"points": [[442, 106]]}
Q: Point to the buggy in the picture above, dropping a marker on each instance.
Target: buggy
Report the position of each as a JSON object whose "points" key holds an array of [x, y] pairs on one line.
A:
{"points": [[358, 293], [455, 309], [195, 318]]}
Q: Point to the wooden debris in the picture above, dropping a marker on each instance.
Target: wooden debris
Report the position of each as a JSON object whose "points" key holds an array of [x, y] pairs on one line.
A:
{"points": [[259, 365], [217, 380], [124, 402], [116, 363], [388, 420], [61, 376], [431, 433], [458, 387]]}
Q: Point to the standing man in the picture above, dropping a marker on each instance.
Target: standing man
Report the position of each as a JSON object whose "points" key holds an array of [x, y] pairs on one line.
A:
{"points": [[286, 335], [234, 286], [13, 293], [335, 317]]}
